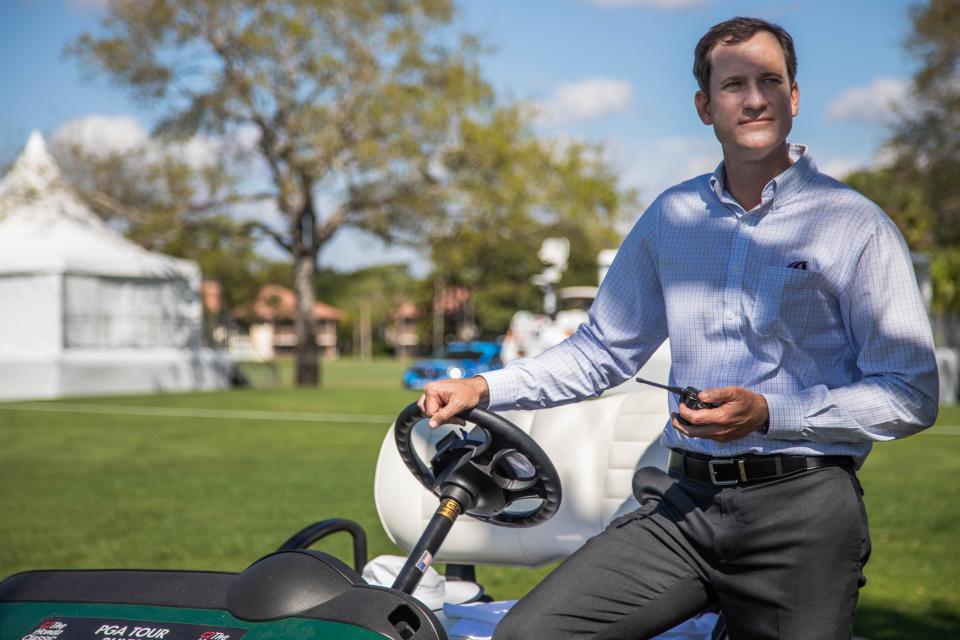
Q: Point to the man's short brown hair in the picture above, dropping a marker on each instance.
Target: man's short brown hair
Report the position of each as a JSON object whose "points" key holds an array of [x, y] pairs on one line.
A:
{"points": [[735, 31]]}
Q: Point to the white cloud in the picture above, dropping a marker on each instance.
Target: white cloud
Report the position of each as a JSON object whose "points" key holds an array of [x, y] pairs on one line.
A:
{"points": [[655, 4], [100, 135], [840, 168], [875, 103], [586, 100]]}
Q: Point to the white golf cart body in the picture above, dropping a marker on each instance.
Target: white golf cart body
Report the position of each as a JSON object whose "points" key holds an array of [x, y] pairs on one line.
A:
{"points": [[532, 333]]}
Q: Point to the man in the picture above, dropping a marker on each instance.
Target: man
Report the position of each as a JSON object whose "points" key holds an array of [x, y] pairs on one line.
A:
{"points": [[791, 301]]}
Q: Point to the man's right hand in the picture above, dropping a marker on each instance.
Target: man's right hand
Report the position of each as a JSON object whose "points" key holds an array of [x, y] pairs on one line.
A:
{"points": [[443, 400]]}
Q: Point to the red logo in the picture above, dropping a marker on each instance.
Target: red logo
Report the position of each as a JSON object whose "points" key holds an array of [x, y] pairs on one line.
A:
{"points": [[52, 624]]}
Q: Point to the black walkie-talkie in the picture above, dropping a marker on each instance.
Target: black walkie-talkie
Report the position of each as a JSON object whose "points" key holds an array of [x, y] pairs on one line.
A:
{"points": [[688, 396]]}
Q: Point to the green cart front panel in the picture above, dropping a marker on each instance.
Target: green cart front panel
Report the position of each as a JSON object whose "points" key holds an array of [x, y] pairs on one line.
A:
{"points": [[301, 595], [68, 621]]}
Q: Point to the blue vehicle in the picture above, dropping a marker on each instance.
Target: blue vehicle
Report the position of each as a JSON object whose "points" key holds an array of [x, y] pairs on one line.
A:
{"points": [[459, 360]]}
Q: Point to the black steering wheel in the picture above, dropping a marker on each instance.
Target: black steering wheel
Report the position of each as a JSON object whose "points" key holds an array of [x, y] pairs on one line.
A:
{"points": [[495, 464]]}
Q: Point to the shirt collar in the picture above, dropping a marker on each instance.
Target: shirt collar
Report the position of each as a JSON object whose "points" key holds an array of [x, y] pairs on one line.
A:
{"points": [[796, 176]]}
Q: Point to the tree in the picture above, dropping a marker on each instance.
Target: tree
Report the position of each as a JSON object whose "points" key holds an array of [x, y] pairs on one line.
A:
{"points": [[920, 187], [897, 190], [513, 191], [928, 137], [350, 104]]}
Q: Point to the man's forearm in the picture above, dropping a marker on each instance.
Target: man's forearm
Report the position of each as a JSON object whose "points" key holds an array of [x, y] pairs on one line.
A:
{"points": [[874, 409]]}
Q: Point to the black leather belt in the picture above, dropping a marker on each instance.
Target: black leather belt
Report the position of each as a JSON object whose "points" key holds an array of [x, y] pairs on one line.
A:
{"points": [[751, 468]]}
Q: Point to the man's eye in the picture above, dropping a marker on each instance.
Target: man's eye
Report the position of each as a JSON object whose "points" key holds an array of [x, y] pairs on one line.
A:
{"points": [[733, 84], [772, 81]]}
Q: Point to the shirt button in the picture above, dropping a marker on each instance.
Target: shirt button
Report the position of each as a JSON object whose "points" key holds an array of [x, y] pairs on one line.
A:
{"points": [[729, 315]]}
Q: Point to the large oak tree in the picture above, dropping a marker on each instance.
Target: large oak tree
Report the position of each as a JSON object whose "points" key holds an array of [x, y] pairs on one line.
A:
{"points": [[351, 106]]}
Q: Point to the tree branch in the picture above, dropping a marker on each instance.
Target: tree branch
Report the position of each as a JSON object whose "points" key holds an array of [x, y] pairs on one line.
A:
{"points": [[330, 225], [270, 232], [231, 200], [106, 202]]}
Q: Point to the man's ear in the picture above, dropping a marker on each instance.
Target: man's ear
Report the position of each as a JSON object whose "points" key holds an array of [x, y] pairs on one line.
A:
{"points": [[795, 99], [702, 101]]}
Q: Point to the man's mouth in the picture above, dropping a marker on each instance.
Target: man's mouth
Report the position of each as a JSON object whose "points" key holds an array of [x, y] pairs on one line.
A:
{"points": [[757, 121]]}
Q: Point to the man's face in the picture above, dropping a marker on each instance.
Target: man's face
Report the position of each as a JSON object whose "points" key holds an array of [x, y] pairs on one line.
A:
{"points": [[751, 103]]}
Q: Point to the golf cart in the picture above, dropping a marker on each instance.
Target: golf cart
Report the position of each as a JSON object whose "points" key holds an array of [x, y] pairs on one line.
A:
{"points": [[496, 473]]}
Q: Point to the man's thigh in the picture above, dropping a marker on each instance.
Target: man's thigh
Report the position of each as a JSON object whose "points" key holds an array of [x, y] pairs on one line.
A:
{"points": [[630, 582], [794, 568]]}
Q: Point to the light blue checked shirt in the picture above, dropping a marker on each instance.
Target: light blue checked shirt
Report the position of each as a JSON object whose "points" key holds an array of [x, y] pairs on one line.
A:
{"points": [[842, 350]]}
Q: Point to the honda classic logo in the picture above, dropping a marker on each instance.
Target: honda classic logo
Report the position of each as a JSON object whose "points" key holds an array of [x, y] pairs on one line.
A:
{"points": [[46, 630]]}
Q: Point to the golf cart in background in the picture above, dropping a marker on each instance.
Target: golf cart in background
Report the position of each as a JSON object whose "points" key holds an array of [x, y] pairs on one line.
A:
{"points": [[531, 333], [564, 308], [498, 473], [458, 360]]}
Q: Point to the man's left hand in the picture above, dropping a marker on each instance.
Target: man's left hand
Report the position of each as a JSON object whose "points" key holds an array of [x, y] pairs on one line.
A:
{"points": [[741, 411]]}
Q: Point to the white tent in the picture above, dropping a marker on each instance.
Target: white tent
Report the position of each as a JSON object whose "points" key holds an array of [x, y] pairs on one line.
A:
{"points": [[85, 310]]}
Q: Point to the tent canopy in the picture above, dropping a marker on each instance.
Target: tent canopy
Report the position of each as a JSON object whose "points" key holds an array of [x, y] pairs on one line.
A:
{"points": [[45, 228]]}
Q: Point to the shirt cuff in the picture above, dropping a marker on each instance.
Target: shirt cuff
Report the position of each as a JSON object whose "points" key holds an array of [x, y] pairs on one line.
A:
{"points": [[786, 416], [503, 389]]}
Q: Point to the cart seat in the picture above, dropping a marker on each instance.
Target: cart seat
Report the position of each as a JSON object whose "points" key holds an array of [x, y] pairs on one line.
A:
{"points": [[595, 446]]}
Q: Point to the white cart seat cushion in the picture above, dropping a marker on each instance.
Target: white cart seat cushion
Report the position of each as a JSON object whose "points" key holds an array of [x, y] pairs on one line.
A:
{"points": [[595, 445]]}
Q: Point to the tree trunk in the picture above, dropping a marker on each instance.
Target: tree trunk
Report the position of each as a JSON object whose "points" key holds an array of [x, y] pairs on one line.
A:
{"points": [[305, 248], [305, 326]]}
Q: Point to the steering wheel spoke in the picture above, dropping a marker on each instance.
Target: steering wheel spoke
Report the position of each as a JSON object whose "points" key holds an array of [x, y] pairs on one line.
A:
{"points": [[533, 493]]}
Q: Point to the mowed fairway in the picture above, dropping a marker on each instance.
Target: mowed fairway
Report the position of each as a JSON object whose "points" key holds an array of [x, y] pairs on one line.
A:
{"points": [[118, 482], [215, 480]]}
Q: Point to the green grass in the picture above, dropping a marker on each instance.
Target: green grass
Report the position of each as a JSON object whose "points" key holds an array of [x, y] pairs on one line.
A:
{"points": [[112, 490], [84, 489], [913, 502]]}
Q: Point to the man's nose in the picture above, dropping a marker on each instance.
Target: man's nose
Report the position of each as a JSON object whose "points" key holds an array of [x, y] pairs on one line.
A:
{"points": [[754, 100]]}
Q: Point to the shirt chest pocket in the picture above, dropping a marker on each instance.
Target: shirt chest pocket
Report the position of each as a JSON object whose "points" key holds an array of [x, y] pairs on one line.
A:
{"points": [[784, 302]]}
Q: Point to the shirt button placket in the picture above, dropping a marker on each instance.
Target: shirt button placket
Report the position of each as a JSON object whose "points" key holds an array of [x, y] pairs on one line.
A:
{"points": [[732, 291]]}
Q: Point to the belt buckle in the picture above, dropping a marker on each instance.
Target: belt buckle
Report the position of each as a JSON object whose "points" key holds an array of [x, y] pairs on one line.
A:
{"points": [[711, 464]]}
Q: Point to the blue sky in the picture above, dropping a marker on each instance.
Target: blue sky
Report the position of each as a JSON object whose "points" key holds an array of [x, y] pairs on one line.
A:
{"points": [[616, 72]]}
